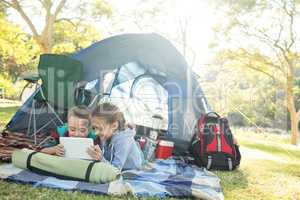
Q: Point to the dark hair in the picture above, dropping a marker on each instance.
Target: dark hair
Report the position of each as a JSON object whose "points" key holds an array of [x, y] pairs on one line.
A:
{"points": [[110, 113], [81, 112]]}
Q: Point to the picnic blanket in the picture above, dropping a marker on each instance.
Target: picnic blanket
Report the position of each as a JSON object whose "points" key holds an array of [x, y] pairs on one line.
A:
{"points": [[163, 178], [12, 141]]}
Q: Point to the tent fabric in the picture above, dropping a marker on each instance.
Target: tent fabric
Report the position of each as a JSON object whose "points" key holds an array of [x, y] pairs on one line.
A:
{"points": [[155, 57], [158, 57], [152, 51], [45, 120]]}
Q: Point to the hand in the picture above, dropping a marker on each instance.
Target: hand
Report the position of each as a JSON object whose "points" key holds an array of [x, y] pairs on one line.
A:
{"points": [[56, 150], [95, 152], [59, 150], [130, 126]]}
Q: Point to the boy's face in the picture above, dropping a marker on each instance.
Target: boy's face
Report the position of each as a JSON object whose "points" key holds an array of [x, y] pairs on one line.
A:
{"points": [[78, 127], [103, 129]]}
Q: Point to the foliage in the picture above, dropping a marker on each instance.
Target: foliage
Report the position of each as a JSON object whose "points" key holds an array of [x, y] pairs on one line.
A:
{"points": [[12, 89], [247, 98], [262, 36], [17, 50], [53, 12], [69, 37]]}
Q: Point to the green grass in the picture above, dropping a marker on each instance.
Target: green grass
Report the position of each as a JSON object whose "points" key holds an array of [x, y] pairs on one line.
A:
{"points": [[277, 145], [270, 169], [15, 191], [6, 114], [271, 172]]}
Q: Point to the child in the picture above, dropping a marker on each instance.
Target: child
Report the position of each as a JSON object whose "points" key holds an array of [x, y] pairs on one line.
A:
{"points": [[79, 121], [118, 144]]}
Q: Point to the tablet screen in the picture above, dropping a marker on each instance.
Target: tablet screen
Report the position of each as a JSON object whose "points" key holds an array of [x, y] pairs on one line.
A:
{"points": [[76, 147]]}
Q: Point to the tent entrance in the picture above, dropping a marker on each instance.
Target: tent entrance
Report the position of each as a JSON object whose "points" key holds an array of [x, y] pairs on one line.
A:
{"points": [[138, 93]]}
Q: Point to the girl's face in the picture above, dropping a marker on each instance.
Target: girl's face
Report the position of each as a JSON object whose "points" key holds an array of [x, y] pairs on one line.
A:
{"points": [[78, 127], [103, 129]]}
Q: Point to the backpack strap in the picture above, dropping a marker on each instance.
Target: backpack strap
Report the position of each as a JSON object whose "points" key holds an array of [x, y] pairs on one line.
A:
{"points": [[230, 165], [201, 124], [209, 162], [209, 114], [226, 147]]}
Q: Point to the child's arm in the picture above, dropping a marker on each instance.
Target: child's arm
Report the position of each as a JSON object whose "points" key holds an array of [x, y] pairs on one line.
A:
{"points": [[95, 152], [55, 150], [52, 146], [121, 150]]}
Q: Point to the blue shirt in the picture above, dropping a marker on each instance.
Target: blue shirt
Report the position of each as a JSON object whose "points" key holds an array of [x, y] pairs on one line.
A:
{"points": [[122, 151]]}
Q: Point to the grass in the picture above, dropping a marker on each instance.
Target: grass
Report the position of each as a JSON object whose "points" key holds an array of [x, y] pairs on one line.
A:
{"points": [[5, 115], [15, 191], [270, 169]]}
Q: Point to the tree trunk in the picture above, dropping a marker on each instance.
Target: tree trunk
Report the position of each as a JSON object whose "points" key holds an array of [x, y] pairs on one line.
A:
{"points": [[44, 48], [294, 128], [43, 44], [293, 113]]}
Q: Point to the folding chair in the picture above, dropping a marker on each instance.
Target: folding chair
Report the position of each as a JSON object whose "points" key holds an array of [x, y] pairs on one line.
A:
{"points": [[59, 75]]}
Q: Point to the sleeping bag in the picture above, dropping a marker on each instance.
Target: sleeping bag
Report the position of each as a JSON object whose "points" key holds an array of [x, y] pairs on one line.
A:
{"points": [[65, 168]]}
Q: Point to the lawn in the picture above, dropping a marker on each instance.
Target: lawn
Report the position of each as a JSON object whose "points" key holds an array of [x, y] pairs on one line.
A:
{"points": [[5, 115], [270, 169]]}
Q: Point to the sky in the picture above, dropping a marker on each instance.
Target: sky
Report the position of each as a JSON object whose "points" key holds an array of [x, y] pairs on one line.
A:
{"points": [[201, 19]]}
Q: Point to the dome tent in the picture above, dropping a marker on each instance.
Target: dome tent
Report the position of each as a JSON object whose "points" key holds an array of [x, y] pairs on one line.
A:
{"points": [[133, 57]]}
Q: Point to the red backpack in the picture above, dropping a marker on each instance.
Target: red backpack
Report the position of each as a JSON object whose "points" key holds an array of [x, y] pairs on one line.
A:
{"points": [[213, 144]]}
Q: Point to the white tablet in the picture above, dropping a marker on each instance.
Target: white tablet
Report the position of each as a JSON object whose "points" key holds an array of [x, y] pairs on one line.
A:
{"points": [[76, 147]]}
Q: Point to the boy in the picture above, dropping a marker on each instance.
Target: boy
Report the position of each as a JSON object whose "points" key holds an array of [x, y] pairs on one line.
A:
{"points": [[79, 122]]}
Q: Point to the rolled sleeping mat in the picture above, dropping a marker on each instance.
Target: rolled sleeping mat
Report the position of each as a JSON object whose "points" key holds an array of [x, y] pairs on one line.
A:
{"points": [[65, 168]]}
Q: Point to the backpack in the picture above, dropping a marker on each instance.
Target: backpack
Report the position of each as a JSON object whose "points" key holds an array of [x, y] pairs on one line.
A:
{"points": [[212, 145]]}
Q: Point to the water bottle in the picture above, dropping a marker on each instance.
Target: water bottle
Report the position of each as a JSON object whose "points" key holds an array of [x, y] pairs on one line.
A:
{"points": [[150, 146]]}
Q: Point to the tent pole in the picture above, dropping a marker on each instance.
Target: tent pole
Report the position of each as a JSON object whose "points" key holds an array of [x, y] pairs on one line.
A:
{"points": [[34, 122]]}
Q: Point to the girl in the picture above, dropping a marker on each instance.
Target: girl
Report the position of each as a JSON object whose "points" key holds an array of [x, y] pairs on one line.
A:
{"points": [[79, 121], [118, 144]]}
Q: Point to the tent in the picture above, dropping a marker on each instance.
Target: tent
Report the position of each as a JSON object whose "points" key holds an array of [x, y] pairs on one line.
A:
{"points": [[144, 74]]}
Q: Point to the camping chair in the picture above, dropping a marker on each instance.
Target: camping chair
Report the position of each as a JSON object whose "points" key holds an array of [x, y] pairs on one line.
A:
{"points": [[59, 75]]}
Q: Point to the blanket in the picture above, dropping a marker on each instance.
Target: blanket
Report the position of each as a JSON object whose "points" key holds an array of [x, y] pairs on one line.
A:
{"points": [[13, 141], [163, 178]]}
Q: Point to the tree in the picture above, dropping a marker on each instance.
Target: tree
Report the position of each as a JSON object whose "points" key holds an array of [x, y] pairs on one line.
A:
{"points": [[248, 101], [261, 36], [17, 49], [70, 37], [54, 12], [155, 16]]}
